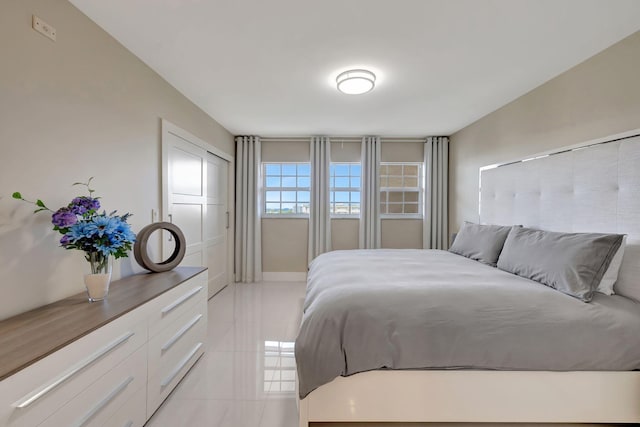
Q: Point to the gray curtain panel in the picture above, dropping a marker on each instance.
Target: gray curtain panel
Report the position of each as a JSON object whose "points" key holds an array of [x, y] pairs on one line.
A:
{"points": [[370, 196], [436, 162], [248, 259], [319, 212]]}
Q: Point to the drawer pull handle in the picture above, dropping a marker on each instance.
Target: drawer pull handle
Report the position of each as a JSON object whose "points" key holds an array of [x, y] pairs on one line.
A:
{"points": [[181, 332], [104, 402], [128, 424], [181, 365], [180, 300], [37, 394]]}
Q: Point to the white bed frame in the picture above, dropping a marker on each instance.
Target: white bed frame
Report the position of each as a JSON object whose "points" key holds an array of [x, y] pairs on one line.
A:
{"points": [[480, 396]]}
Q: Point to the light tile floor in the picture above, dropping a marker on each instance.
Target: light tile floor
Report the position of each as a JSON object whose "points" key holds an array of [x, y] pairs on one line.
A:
{"points": [[246, 378]]}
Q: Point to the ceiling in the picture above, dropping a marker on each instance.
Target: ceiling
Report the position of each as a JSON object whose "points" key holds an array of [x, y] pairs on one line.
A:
{"points": [[268, 67]]}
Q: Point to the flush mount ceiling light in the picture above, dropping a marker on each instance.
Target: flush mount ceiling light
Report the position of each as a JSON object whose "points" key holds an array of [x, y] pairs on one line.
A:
{"points": [[356, 82]]}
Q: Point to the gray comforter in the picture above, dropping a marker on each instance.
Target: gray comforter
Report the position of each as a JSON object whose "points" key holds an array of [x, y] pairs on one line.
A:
{"points": [[428, 309]]}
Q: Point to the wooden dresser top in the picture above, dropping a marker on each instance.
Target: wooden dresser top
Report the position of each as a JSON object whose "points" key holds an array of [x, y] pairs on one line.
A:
{"points": [[31, 336]]}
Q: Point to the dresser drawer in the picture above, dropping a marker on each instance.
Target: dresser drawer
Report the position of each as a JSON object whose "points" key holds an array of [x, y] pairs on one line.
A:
{"points": [[173, 368], [102, 400], [133, 413], [33, 394], [174, 303], [169, 345]]}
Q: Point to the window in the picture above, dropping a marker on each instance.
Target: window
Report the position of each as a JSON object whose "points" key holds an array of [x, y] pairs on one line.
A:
{"points": [[345, 189], [286, 189], [401, 187]]}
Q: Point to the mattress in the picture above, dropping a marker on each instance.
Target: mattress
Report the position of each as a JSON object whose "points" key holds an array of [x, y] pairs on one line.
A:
{"points": [[430, 309]]}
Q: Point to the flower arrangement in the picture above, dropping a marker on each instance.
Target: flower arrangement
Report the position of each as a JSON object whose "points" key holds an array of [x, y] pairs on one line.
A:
{"points": [[83, 227]]}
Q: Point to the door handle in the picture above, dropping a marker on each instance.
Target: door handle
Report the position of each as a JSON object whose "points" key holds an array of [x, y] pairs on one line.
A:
{"points": [[227, 219], [171, 222]]}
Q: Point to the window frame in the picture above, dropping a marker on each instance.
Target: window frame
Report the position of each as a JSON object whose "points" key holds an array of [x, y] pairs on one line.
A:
{"points": [[264, 189], [420, 189], [334, 215]]}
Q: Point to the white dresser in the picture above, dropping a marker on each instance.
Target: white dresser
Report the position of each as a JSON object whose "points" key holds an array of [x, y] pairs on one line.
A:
{"points": [[110, 363]]}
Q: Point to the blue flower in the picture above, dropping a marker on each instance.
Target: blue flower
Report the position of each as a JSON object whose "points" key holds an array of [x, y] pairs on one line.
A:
{"points": [[105, 247], [101, 225]]}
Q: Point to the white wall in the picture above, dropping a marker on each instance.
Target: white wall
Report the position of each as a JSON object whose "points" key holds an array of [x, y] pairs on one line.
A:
{"points": [[83, 106], [597, 98]]}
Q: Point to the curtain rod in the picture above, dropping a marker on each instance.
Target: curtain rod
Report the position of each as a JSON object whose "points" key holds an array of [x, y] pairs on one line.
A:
{"points": [[339, 139]]}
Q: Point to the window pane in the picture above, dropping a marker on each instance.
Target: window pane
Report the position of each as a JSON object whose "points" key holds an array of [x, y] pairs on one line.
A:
{"points": [[304, 182], [289, 170], [395, 208], [394, 182], [355, 208], [411, 196], [342, 196], [342, 170], [411, 182], [273, 169], [355, 196], [383, 208], [384, 170], [355, 170], [341, 208], [303, 208], [288, 181], [355, 182], [304, 170], [273, 196], [411, 170], [384, 181], [383, 197], [273, 181], [273, 208], [303, 196], [395, 196], [342, 182], [288, 196], [411, 208], [288, 208], [395, 170]]}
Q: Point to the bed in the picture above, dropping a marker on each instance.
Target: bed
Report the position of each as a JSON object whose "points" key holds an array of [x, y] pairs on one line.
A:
{"points": [[493, 347]]}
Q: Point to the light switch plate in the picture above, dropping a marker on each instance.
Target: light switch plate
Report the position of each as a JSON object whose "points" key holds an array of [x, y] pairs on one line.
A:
{"points": [[43, 28]]}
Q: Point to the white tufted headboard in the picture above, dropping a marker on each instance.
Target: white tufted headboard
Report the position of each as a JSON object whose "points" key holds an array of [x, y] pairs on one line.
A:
{"points": [[590, 188]]}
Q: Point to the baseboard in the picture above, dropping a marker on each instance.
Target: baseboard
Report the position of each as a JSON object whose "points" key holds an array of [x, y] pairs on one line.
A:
{"points": [[284, 276]]}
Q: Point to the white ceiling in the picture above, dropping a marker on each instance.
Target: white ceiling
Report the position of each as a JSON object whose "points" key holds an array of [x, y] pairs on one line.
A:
{"points": [[265, 66]]}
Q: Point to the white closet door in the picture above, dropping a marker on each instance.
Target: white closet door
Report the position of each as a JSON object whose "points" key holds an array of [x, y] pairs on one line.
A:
{"points": [[195, 196], [217, 222], [186, 198]]}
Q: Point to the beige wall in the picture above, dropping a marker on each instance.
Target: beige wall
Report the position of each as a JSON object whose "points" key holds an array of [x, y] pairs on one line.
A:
{"points": [[276, 257], [597, 98], [82, 106]]}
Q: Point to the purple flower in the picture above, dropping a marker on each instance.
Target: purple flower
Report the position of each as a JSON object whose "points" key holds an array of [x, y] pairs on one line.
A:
{"points": [[81, 205], [63, 218], [65, 240]]}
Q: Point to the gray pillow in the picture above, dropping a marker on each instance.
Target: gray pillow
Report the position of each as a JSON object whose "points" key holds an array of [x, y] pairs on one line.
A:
{"points": [[480, 242], [572, 263]]}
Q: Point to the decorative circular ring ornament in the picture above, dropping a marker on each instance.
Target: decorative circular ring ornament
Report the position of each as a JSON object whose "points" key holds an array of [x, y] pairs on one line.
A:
{"points": [[142, 255], [356, 82]]}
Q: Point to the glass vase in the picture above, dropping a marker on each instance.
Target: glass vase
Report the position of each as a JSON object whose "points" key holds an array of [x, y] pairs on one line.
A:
{"points": [[98, 276]]}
